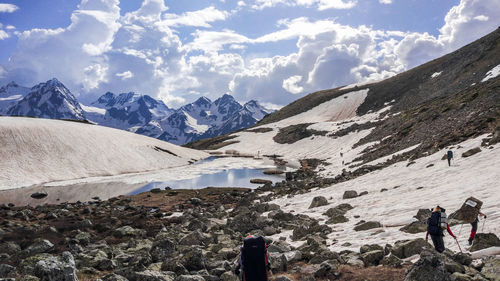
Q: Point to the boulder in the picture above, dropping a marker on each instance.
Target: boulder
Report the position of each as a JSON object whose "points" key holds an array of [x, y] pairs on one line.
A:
{"points": [[283, 278], [114, 277], [367, 225], [422, 215], [229, 276], [471, 152], [128, 231], [453, 266], [392, 261], [483, 241], [9, 248], [407, 248], [368, 248], [56, 268], [460, 277], [39, 195], [278, 262], [318, 201], [39, 246], [7, 271], [193, 259], [414, 227], [430, 267], [324, 269], [337, 219], [348, 194], [463, 258], [491, 268], [162, 249], [150, 275], [189, 278], [372, 257]]}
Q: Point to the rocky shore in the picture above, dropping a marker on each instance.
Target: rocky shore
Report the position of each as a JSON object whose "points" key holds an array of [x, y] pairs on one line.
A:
{"points": [[184, 235]]}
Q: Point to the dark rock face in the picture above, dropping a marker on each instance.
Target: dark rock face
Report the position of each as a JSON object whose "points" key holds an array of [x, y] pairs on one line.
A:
{"points": [[484, 240], [430, 267]]}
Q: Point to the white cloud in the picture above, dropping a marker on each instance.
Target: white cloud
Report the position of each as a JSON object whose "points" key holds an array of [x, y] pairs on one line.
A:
{"points": [[385, 1], [318, 4], [200, 18], [290, 84], [8, 8], [3, 35], [125, 75]]}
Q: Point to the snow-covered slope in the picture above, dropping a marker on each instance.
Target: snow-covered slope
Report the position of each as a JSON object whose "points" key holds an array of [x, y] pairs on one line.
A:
{"points": [[40, 150]]}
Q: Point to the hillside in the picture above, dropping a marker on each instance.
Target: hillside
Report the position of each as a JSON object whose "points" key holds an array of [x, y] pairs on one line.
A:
{"points": [[42, 150]]}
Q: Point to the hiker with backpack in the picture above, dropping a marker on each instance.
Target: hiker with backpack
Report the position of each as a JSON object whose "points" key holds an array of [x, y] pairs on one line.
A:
{"points": [[253, 264], [449, 156], [474, 224], [435, 226]]}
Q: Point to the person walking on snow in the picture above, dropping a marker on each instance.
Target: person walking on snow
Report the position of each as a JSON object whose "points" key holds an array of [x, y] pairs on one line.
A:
{"points": [[449, 155], [474, 224], [435, 226]]}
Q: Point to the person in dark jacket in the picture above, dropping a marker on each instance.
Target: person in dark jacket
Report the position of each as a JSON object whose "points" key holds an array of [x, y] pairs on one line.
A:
{"points": [[436, 231], [253, 263], [449, 156], [473, 231]]}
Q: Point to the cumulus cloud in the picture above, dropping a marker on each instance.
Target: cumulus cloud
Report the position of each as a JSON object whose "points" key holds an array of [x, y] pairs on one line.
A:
{"points": [[318, 4], [201, 18], [8, 8], [145, 51], [385, 1]]}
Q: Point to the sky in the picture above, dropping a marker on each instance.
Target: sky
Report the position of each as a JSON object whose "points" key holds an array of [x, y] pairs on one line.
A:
{"points": [[273, 51]]}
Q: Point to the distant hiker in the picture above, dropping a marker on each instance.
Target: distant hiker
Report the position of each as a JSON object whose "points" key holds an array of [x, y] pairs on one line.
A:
{"points": [[449, 155], [473, 231], [253, 262], [435, 226]]}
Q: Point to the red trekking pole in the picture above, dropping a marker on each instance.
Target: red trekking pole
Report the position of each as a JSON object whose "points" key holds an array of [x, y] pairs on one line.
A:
{"points": [[458, 245]]}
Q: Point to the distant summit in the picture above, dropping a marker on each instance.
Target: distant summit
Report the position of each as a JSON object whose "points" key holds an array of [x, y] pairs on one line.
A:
{"points": [[133, 112]]}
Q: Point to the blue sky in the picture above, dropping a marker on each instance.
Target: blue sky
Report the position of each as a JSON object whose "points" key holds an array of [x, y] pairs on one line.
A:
{"points": [[274, 51]]}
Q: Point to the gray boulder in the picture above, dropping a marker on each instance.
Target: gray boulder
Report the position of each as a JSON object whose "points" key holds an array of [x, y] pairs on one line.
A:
{"points": [[391, 261], [9, 248], [407, 248], [414, 227], [278, 262], [483, 241], [368, 248], [150, 275], [324, 269], [193, 259], [128, 231], [491, 268], [460, 277], [463, 258], [7, 270], [189, 278], [162, 249], [229, 276], [367, 225], [372, 257], [430, 267], [348, 194], [318, 201], [56, 268], [114, 277], [39, 246]]}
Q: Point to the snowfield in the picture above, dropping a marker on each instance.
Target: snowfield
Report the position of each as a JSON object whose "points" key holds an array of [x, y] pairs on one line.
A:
{"points": [[426, 183], [492, 73], [35, 151]]}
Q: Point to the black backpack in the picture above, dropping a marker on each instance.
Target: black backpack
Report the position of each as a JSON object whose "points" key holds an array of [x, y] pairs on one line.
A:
{"points": [[254, 259], [434, 224]]}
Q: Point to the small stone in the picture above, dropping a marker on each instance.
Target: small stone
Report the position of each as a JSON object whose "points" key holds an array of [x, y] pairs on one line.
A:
{"points": [[348, 194], [318, 201], [367, 225]]}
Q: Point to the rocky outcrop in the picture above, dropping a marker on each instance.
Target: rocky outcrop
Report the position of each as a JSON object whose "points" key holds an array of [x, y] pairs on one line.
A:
{"points": [[430, 267], [483, 241]]}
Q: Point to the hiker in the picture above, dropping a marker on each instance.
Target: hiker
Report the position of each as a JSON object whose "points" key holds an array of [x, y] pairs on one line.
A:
{"points": [[473, 231], [435, 226], [449, 155], [253, 264]]}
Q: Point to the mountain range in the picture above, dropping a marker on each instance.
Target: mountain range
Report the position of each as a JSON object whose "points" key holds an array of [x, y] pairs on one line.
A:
{"points": [[133, 112]]}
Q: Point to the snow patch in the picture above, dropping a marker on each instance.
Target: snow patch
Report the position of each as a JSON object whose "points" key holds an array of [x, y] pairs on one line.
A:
{"points": [[492, 73], [436, 74]]}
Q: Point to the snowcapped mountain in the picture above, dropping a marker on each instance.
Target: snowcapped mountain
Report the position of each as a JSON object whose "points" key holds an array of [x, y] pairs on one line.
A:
{"points": [[133, 112], [11, 94], [48, 100], [126, 110]]}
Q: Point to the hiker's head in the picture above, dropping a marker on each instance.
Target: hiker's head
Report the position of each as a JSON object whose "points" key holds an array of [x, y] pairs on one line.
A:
{"points": [[437, 209]]}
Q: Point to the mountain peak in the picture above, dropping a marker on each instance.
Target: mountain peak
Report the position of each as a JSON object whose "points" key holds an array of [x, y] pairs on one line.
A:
{"points": [[12, 84], [203, 101]]}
